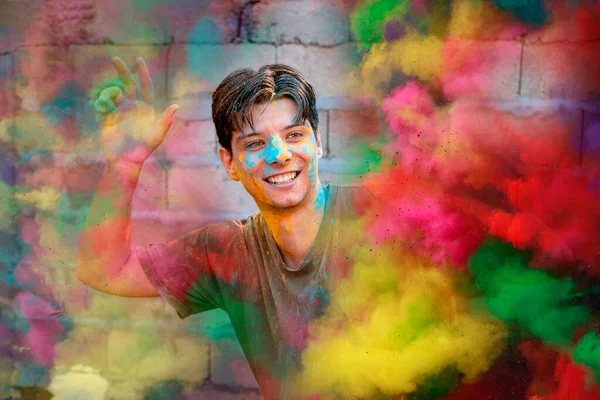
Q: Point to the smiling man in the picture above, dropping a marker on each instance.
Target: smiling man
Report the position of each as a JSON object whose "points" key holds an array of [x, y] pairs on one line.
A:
{"points": [[270, 272]]}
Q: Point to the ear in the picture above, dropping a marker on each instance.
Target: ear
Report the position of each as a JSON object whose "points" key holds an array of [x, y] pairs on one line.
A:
{"points": [[227, 160], [319, 145]]}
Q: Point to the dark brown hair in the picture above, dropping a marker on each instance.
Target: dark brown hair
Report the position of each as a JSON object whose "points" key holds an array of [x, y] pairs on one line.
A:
{"points": [[233, 99]]}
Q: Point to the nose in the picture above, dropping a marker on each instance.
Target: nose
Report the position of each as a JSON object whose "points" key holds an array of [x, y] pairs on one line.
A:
{"points": [[277, 151]]}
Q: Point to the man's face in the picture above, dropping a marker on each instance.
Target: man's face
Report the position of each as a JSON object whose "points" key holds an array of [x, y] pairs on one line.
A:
{"points": [[277, 162]]}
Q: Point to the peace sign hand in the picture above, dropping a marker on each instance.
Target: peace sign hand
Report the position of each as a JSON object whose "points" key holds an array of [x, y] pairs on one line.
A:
{"points": [[129, 131]]}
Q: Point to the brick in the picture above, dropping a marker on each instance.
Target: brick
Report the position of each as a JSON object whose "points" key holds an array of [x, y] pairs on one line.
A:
{"points": [[53, 240], [333, 178], [45, 94], [39, 22], [18, 18], [80, 381], [41, 72], [202, 22], [189, 138], [84, 345], [127, 388], [157, 355], [591, 140], [570, 23], [564, 70], [129, 22], [503, 133], [32, 132], [77, 298], [40, 171], [151, 189], [94, 66], [327, 69], [193, 106], [196, 70], [488, 22], [81, 179], [6, 370], [207, 188], [281, 22], [229, 366], [349, 129], [87, 305], [210, 392], [38, 278], [9, 243], [7, 93], [480, 69]]}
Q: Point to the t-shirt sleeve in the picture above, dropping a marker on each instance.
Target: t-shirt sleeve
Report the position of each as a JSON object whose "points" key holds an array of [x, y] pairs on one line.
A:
{"points": [[181, 272]]}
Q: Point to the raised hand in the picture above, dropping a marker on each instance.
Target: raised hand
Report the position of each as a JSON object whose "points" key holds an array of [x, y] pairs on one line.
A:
{"points": [[130, 131]]}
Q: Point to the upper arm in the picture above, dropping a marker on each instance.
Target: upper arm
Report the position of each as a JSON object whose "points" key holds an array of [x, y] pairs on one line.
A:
{"points": [[180, 270], [131, 281]]}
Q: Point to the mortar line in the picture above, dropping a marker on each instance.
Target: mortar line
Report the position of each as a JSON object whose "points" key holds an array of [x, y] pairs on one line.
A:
{"points": [[582, 132], [521, 66]]}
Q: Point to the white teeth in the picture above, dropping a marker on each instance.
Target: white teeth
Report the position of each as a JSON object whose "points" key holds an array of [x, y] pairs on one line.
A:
{"points": [[283, 178]]}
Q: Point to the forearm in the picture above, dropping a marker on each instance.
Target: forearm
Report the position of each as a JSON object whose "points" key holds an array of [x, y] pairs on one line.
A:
{"points": [[105, 242]]}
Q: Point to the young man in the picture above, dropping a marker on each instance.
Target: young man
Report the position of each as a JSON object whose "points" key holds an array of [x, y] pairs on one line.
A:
{"points": [[270, 272]]}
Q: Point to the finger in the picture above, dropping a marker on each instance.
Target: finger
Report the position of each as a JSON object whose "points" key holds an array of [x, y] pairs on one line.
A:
{"points": [[127, 77], [166, 120], [105, 107], [146, 84], [113, 93]]}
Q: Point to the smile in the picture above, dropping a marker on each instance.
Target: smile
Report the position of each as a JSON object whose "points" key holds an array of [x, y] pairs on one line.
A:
{"points": [[282, 179]]}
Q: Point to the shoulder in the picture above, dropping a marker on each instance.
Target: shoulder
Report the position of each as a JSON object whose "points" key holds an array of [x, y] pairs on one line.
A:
{"points": [[218, 237]]}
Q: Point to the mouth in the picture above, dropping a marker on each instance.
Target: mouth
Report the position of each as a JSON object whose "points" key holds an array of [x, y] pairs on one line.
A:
{"points": [[282, 179]]}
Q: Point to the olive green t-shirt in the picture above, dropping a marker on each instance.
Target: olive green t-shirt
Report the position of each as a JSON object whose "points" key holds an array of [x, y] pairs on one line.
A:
{"points": [[237, 266]]}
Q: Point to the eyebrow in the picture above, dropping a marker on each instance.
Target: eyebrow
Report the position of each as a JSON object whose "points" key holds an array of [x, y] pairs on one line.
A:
{"points": [[254, 133]]}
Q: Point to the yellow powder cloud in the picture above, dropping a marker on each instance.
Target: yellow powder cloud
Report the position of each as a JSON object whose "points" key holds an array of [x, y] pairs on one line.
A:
{"points": [[393, 323], [415, 55], [44, 199]]}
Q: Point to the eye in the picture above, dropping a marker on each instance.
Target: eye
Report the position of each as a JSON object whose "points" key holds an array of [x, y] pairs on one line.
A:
{"points": [[296, 135], [251, 145]]}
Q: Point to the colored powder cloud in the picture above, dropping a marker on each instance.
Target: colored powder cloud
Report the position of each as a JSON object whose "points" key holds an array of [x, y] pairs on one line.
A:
{"points": [[391, 326], [519, 176], [414, 214], [80, 382], [539, 303], [587, 352], [368, 20], [43, 331], [44, 199], [414, 55]]}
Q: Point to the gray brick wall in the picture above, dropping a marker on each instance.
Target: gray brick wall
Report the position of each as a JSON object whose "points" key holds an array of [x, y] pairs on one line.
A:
{"points": [[190, 47]]}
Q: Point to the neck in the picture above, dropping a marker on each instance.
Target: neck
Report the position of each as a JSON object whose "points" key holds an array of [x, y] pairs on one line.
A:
{"points": [[295, 229]]}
